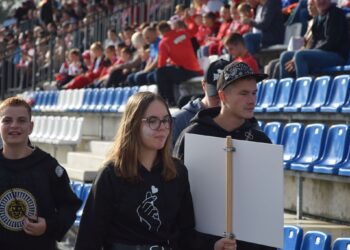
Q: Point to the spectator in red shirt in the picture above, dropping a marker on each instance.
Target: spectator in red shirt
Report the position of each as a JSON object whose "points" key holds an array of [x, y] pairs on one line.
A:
{"points": [[176, 47], [234, 43], [94, 73], [209, 28], [214, 43]]}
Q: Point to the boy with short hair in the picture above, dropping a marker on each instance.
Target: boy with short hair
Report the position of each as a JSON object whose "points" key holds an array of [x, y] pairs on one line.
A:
{"points": [[37, 205], [234, 43]]}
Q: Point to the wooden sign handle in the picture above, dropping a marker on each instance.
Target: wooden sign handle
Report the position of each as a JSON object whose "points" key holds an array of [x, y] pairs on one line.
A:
{"points": [[229, 188]]}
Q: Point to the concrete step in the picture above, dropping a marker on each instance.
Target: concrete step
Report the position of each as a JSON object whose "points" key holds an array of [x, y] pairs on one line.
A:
{"points": [[100, 147], [81, 174], [84, 160], [309, 224]]}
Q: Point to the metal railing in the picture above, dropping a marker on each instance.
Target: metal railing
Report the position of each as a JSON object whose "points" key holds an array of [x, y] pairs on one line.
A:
{"points": [[48, 54]]}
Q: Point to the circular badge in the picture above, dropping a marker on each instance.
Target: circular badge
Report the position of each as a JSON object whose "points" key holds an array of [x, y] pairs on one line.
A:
{"points": [[15, 205]]}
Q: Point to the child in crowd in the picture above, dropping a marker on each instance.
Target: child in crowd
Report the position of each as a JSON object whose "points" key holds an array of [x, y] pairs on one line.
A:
{"points": [[37, 205], [70, 69], [234, 43], [81, 81], [209, 28], [245, 11]]}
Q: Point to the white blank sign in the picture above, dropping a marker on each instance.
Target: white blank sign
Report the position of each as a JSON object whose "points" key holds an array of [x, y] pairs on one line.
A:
{"points": [[257, 188]]}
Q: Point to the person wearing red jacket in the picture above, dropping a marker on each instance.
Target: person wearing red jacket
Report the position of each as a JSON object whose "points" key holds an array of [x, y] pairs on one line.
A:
{"points": [[94, 73], [176, 47]]}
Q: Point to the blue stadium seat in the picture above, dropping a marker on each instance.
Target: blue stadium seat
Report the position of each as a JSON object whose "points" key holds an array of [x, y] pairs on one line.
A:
{"points": [[291, 141], [335, 150], [127, 92], [293, 236], [83, 196], [95, 98], [258, 93], [267, 95], [282, 96], [341, 244], [300, 94], [102, 100], [315, 240], [134, 89], [311, 148], [274, 131], [119, 93], [344, 168], [86, 100], [77, 188], [110, 99], [338, 95], [319, 94], [39, 96], [261, 124]]}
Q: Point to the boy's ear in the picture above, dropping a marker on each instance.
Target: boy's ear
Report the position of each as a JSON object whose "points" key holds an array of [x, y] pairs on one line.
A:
{"points": [[221, 94]]}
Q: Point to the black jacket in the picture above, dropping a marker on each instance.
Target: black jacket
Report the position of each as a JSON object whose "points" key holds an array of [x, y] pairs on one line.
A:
{"points": [[34, 185], [330, 32], [203, 124], [146, 212]]}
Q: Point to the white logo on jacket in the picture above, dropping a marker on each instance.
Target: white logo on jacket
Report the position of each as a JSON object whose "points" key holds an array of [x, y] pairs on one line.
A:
{"points": [[148, 213]]}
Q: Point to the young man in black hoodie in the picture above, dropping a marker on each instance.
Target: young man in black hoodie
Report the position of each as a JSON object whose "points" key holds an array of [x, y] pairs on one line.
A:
{"points": [[37, 205], [237, 92]]}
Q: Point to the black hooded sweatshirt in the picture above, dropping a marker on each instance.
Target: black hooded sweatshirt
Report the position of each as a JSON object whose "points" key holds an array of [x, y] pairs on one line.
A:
{"points": [[34, 185], [203, 124], [148, 211]]}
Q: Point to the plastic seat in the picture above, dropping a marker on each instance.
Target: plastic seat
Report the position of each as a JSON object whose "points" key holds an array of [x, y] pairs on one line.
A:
{"points": [[86, 100], [341, 244], [293, 236], [261, 125], [315, 240], [282, 96], [134, 90], [338, 95], [37, 124], [291, 141], [95, 98], [143, 88], [47, 129], [74, 100], [54, 100], [119, 93], [83, 196], [153, 88], [49, 102], [300, 94], [78, 101], [126, 94], [57, 123], [63, 130], [319, 94], [335, 150], [311, 148], [69, 100], [268, 89], [38, 97], [110, 99], [274, 131], [73, 136], [102, 100], [41, 124]]}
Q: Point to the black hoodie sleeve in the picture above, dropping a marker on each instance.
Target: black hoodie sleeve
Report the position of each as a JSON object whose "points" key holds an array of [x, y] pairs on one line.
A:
{"points": [[66, 204], [97, 214]]}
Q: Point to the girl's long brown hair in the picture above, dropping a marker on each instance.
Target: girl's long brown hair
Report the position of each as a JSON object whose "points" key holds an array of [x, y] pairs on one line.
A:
{"points": [[126, 146]]}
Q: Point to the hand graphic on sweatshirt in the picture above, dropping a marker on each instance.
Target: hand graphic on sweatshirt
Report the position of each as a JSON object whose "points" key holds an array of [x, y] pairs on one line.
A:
{"points": [[148, 212]]}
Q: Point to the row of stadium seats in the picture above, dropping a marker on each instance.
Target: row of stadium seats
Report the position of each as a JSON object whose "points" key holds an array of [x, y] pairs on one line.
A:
{"points": [[312, 240], [86, 100], [82, 191], [304, 94], [57, 130], [312, 148]]}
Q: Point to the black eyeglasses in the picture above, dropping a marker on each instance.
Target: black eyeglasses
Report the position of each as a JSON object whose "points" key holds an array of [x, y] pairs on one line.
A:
{"points": [[154, 122]]}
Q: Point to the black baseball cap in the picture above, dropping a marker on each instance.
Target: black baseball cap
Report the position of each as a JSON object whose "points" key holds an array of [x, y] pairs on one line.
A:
{"points": [[236, 71], [213, 74]]}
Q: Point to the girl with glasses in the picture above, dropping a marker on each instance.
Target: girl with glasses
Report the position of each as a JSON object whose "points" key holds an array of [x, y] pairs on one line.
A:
{"points": [[141, 199]]}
